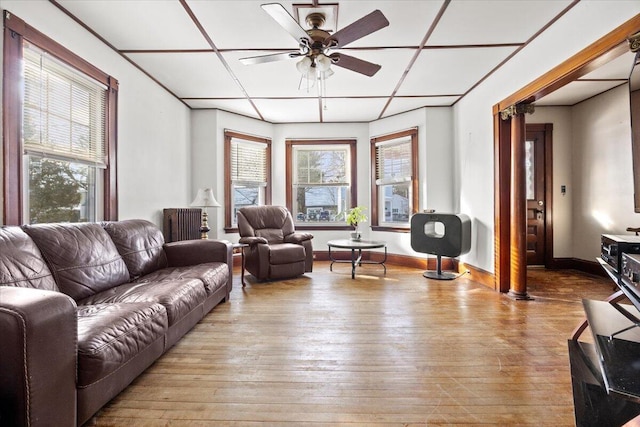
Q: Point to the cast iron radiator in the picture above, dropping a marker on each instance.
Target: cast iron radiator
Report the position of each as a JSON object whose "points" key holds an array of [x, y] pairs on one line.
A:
{"points": [[182, 224]]}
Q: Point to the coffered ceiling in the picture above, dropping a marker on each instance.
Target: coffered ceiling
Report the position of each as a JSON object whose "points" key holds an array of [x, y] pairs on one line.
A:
{"points": [[432, 53]]}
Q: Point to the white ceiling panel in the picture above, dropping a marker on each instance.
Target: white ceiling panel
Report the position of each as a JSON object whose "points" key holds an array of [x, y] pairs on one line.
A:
{"points": [[349, 83], [577, 91], [400, 105], [136, 24], [190, 75], [289, 110], [618, 68], [242, 24], [451, 71], [409, 20], [352, 109], [493, 21]]}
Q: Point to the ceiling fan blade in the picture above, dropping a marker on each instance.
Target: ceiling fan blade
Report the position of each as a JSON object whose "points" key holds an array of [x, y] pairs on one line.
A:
{"points": [[355, 64], [269, 58], [362, 27], [286, 21]]}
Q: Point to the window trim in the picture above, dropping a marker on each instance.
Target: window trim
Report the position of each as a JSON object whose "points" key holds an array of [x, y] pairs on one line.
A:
{"points": [[289, 144], [375, 222], [15, 31], [228, 190]]}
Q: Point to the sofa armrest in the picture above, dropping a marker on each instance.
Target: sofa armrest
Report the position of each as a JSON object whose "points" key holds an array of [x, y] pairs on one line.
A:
{"points": [[253, 240], [297, 237], [191, 252], [38, 361]]}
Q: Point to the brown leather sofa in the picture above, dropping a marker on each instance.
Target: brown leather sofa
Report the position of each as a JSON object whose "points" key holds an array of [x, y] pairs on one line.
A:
{"points": [[85, 308], [276, 250]]}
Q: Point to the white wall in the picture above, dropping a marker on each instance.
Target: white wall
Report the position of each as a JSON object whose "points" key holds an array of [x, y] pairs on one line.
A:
{"points": [[602, 171], [153, 126], [435, 165], [561, 118], [473, 121]]}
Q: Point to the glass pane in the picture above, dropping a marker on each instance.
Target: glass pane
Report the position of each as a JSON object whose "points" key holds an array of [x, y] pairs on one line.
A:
{"points": [[60, 191], [529, 166], [246, 196], [319, 204], [321, 166], [395, 203]]}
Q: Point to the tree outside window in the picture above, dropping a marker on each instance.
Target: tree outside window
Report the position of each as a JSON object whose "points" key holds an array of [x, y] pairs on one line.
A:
{"points": [[63, 130], [319, 181]]}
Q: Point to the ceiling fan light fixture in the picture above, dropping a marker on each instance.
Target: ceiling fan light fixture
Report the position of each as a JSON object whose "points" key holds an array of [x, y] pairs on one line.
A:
{"points": [[323, 63], [304, 65]]}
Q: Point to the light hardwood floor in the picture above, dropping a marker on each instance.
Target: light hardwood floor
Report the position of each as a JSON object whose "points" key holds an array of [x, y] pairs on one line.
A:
{"points": [[394, 350]]}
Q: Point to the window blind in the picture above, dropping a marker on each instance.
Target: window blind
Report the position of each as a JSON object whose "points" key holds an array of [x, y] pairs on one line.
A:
{"points": [[248, 162], [64, 111], [393, 162]]}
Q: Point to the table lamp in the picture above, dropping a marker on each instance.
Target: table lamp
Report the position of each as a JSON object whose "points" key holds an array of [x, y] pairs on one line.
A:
{"points": [[205, 199]]}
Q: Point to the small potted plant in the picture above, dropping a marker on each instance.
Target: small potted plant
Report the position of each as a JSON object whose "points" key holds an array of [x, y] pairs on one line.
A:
{"points": [[354, 217]]}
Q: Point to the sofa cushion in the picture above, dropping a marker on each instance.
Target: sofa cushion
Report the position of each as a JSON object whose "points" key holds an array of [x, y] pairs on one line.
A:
{"points": [[178, 297], [139, 242], [109, 335], [214, 275], [22, 263], [286, 253], [81, 256]]}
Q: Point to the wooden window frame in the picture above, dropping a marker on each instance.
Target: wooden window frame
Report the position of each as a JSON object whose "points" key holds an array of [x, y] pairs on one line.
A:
{"points": [[415, 199], [352, 143], [228, 184], [15, 32]]}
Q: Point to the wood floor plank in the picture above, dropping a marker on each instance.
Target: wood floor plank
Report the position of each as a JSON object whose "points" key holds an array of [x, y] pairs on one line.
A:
{"points": [[382, 350]]}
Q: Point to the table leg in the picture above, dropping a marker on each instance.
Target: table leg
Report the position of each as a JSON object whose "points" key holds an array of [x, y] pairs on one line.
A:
{"points": [[242, 267], [384, 260], [332, 260], [353, 263]]}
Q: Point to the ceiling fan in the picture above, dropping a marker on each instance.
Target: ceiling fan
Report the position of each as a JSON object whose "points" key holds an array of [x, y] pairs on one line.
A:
{"points": [[316, 46]]}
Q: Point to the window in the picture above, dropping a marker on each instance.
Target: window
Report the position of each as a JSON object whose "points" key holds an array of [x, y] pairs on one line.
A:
{"points": [[320, 181], [60, 132], [395, 194], [248, 175]]}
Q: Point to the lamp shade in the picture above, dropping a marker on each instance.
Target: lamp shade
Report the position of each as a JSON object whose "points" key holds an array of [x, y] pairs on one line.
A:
{"points": [[205, 199]]}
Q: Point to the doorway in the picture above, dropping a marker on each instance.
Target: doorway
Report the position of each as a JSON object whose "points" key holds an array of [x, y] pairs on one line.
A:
{"points": [[509, 220], [539, 193]]}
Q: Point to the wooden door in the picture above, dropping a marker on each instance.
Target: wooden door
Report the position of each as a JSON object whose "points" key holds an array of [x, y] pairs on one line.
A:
{"points": [[535, 195]]}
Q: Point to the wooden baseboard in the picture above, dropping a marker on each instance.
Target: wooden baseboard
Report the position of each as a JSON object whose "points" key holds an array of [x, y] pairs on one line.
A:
{"points": [[590, 267], [478, 275]]}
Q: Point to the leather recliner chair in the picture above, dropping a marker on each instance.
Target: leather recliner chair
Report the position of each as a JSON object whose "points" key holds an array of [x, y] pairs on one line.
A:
{"points": [[276, 250]]}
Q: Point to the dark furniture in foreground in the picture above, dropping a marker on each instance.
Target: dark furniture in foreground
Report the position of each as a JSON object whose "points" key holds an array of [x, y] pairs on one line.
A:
{"points": [[276, 250], [605, 373], [85, 308]]}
